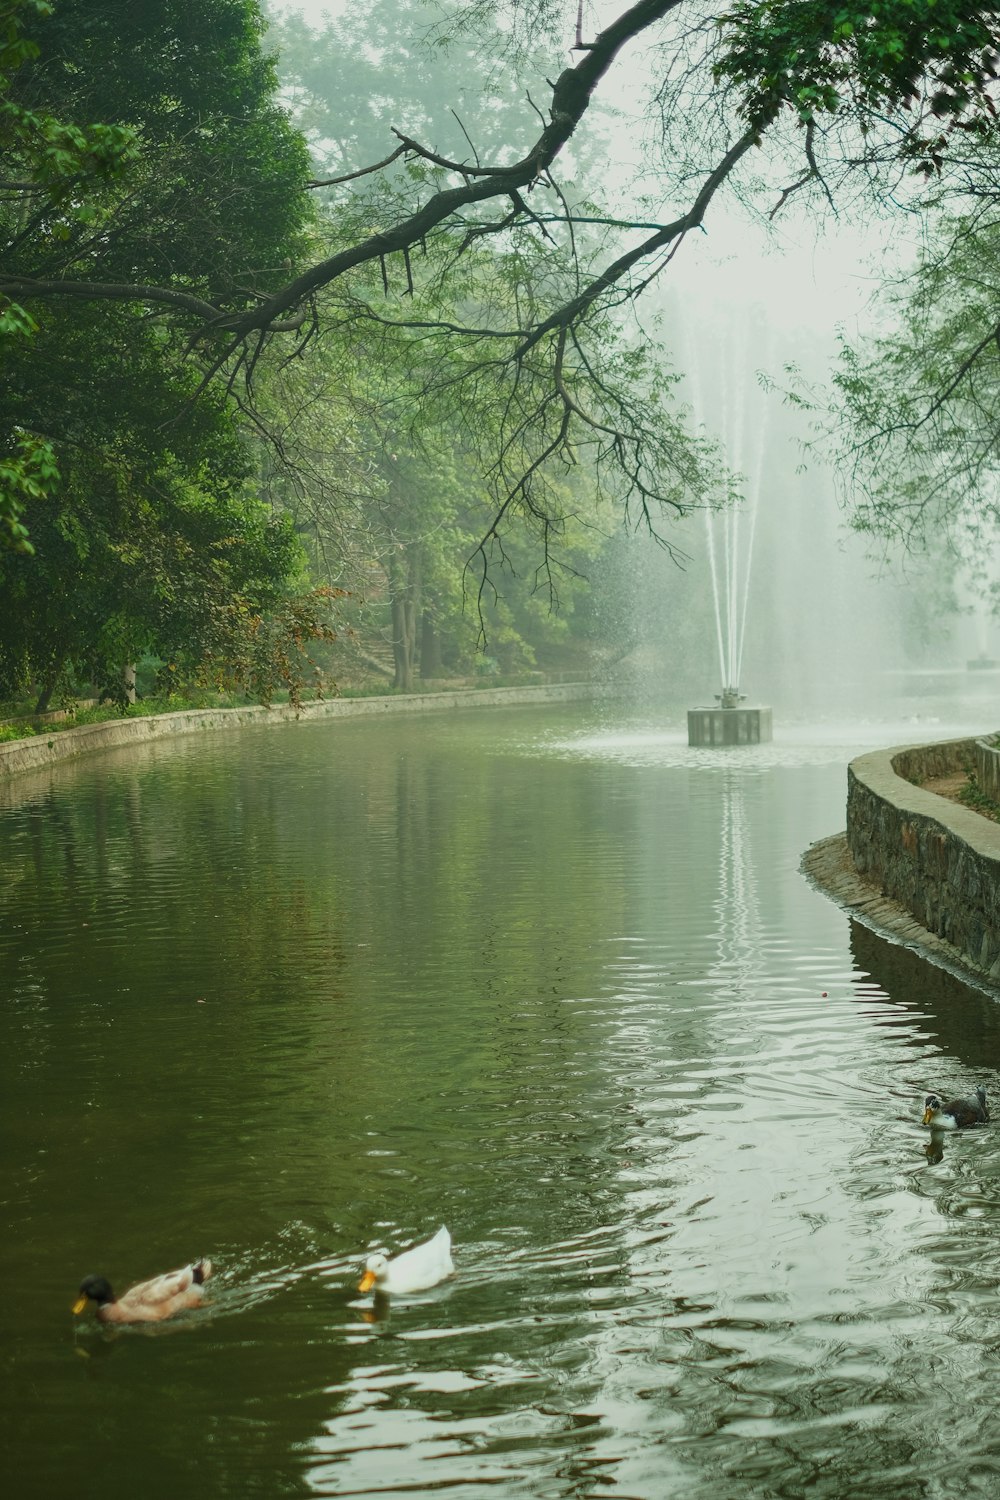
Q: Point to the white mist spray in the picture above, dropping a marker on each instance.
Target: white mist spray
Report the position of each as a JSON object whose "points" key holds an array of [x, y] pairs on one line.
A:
{"points": [[738, 423]]}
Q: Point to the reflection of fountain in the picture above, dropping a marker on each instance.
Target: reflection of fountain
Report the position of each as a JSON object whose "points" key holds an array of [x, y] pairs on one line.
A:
{"points": [[738, 904]]}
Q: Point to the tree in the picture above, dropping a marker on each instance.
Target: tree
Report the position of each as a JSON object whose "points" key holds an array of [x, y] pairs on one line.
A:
{"points": [[214, 205], [380, 405], [63, 169], [146, 546], [152, 539], [392, 498], [837, 95], [913, 421]]}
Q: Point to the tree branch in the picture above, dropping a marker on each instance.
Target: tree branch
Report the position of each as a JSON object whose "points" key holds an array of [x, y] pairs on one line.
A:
{"points": [[322, 182], [572, 310], [571, 96], [117, 291]]}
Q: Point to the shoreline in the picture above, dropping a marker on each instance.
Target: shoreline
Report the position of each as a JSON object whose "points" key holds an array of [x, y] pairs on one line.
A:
{"points": [[35, 752], [829, 869]]}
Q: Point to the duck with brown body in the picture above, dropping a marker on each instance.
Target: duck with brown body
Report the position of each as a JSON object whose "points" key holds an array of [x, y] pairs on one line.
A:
{"points": [[149, 1301], [957, 1114]]}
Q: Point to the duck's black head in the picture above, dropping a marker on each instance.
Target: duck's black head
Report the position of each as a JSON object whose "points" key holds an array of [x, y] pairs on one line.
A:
{"points": [[932, 1102], [97, 1288]]}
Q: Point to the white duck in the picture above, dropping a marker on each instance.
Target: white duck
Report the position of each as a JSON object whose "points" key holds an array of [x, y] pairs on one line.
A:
{"points": [[413, 1271]]}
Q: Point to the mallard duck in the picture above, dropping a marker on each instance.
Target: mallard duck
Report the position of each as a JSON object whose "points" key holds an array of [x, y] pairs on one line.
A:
{"points": [[150, 1301], [413, 1271], [957, 1114]]}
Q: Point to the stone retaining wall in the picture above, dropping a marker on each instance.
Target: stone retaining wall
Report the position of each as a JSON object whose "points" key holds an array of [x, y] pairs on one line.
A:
{"points": [[44, 750], [937, 859], [988, 769]]}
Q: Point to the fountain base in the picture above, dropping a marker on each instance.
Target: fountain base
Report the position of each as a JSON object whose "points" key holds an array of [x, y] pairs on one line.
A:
{"points": [[729, 726]]}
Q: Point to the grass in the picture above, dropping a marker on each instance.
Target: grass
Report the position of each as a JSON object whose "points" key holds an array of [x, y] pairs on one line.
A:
{"points": [[103, 712], [168, 703], [972, 795]]}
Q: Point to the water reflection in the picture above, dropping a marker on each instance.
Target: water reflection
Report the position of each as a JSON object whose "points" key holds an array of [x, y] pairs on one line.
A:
{"points": [[961, 1019], [728, 1062], [278, 997]]}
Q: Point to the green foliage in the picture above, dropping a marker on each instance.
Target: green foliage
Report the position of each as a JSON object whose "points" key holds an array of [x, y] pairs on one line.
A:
{"points": [[54, 155], [480, 388], [154, 540], [399, 431], [971, 795], [9, 732], [213, 200], [54, 160], [916, 423], [131, 521], [823, 59], [480, 489], [28, 471]]}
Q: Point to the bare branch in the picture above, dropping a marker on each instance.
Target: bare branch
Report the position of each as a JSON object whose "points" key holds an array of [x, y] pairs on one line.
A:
{"points": [[571, 311], [571, 96], [323, 182], [414, 148]]}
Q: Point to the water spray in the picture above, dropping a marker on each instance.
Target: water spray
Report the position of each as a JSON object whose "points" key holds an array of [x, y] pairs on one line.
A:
{"points": [[730, 553]]}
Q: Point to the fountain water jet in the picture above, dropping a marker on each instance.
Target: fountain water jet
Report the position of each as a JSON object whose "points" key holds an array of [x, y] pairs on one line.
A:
{"points": [[730, 723]]}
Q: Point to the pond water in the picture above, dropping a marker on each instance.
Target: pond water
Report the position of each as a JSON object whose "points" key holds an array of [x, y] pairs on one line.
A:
{"points": [[286, 995]]}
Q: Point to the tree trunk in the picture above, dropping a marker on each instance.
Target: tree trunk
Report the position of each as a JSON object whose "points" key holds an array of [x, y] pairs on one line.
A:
{"points": [[402, 647], [404, 581], [48, 687], [430, 646]]}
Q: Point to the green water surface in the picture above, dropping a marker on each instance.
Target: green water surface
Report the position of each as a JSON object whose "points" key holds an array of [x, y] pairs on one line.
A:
{"points": [[282, 996]]}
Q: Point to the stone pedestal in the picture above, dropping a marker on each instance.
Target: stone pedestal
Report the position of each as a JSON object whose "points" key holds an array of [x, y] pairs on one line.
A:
{"points": [[729, 726]]}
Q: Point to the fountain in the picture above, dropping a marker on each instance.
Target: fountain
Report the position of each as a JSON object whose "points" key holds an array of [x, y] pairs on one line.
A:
{"points": [[731, 722], [776, 600]]}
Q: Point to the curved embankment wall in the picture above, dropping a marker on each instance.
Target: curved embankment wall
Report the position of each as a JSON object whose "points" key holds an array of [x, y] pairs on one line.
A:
{"points": [[43, 750], [936, 859]]}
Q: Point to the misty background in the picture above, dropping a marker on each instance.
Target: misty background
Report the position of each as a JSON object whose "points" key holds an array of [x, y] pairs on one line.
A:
{"points": [[828, 620]]}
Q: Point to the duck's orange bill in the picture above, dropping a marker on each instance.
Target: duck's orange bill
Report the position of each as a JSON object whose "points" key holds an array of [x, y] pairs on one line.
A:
{"points": [[367, 1282], [79, 1304], [928, 1113]]}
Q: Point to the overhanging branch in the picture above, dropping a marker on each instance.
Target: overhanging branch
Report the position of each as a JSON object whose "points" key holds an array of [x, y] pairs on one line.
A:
{"points": [[117, 291], [571, 97]]}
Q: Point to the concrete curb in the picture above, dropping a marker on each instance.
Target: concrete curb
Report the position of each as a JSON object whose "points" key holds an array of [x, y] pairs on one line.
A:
{"points": [[42, 750]]}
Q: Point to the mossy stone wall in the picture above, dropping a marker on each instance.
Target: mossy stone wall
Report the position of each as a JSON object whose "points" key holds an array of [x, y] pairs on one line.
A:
{"points": [[938, 859]]}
